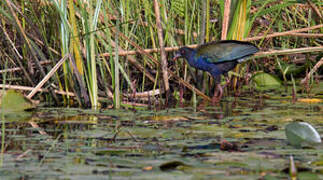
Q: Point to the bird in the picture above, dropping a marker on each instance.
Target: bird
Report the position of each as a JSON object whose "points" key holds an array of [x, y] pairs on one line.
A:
{"points": [[217, 58]]}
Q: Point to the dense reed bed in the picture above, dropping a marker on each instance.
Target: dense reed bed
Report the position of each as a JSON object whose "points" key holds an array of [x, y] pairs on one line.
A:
{"points": [[118, 53]]}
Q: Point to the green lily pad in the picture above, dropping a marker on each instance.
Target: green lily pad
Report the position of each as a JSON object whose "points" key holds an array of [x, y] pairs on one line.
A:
{"points": [[265, 81], [298, 133], [13, 101]]}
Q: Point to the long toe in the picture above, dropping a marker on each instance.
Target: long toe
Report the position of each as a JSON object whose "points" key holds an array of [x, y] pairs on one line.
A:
{"points": [[215, 100], [218, 92]]}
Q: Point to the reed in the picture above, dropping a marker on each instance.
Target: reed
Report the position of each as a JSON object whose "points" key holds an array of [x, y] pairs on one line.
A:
{"points": [[115, 46]]}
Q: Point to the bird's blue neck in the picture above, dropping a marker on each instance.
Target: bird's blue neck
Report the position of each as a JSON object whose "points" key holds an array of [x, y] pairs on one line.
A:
{"points": [[190, 57], [202, 63]]}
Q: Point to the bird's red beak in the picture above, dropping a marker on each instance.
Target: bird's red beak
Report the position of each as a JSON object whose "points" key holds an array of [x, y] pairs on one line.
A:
{"points": [[177, 55]]}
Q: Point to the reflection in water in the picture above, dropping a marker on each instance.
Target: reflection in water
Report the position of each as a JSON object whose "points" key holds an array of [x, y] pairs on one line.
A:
{"points": [[67, 143]]}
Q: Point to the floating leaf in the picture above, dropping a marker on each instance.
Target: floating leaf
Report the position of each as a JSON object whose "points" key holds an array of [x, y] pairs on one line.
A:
{"points": [[310, 100], [308, 176], [265, 81], [171, 165], [167, 118], [13, 101], [301, 132]]}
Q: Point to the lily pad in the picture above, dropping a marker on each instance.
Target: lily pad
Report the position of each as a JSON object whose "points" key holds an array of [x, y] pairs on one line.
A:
{"points": [[298, 133], [265, 81], [13, 101]]}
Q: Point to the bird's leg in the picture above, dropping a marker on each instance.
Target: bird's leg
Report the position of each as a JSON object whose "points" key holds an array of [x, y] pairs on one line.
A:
{"points": [[133, 88], [227, 81], [181, 94], [218, 92]]}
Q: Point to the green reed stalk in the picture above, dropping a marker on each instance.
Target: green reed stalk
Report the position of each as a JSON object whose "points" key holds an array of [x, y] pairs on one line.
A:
{"points": [[116, 71], [3, 124], [64, 40], [75, 41], [90, 26]]}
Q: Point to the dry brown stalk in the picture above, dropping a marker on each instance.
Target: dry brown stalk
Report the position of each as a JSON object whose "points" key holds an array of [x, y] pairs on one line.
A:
{"points": [[316, 10], [47, 77], [168, 49], [314, 69], [307, 35], [226, 18], [144, 94], [26, 88], [134, 104], [36, 126], [21, 156], [125, 53], [162, 49], [19, 69], [189, 86], [287, 33], [289, 51]]}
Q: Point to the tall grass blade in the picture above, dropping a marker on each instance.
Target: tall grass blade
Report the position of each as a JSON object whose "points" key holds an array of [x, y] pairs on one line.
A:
{"points": [[75, 41], [116, 71]]}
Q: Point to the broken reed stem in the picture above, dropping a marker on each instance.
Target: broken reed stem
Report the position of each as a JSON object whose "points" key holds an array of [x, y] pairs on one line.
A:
{"points": [[19, 69], [307, 35], [314, 69], [260, 54], [26, 88], [287, 33], [139, 95], [47, 77]]}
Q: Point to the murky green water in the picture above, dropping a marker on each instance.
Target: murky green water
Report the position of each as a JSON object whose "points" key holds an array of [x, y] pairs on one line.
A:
{"points": [[169, 144]]}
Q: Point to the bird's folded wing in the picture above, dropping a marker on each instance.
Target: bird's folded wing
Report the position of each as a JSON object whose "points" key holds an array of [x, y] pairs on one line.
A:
{"points": [[222, 51]]}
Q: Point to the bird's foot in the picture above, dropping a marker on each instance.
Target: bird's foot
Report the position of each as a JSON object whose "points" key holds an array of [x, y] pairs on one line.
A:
{"points": [[218, 92], [227, 81], [215, 100]]}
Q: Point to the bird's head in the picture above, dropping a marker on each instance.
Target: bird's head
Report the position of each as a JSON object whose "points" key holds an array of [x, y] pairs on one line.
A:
{"points": [[185, 52]]}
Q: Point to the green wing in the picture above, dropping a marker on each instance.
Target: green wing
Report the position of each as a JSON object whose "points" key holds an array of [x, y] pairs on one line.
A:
{"points": [[222, 51]]}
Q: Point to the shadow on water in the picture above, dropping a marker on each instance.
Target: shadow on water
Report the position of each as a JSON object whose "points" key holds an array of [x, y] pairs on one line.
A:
{"points": [[241, 137]]}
